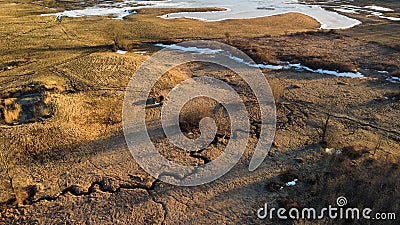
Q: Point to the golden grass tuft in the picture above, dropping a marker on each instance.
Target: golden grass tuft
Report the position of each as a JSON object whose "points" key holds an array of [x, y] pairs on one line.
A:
{"points": [[11, 111]]}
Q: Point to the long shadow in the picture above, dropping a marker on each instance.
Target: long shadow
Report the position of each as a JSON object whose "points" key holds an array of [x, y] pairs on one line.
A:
{"points": [[57, 49], [251, 190]]}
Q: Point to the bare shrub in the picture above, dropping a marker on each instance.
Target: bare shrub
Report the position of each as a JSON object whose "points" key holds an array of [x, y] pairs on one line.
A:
{"points": [[332, 138], [27, 108], [395, 73], [228, 38], [352, 152], [195, 110], [120, 40]]}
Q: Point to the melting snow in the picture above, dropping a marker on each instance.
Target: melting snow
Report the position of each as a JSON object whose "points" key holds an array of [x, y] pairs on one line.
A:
{"points": [[291, 183], [235, 9], [189, 49], [379, 8], [352, 11], [119, 10], [283, 65], [261, 66], [121, 52], [141, 52], [382, 72], [332, 151], [371, 10], [393, 79], [328, 72]]}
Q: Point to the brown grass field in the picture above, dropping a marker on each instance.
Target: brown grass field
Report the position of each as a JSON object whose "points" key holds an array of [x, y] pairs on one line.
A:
{"points": [[63, 156]]}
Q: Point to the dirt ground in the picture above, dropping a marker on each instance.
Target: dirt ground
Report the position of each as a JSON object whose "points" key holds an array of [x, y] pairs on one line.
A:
{"points": [[63, 156]]}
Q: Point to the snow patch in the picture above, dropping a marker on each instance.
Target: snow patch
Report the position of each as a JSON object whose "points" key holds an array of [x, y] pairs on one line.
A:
{"points": [[393, 80], [379, 8], [189, 49], [352, 11], [291, 183], [300, 67], [382, 72], [121, 52], [331, 151]]}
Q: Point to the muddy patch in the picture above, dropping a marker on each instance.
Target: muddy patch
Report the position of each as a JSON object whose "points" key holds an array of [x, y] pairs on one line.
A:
{"points": [[26, 104]]}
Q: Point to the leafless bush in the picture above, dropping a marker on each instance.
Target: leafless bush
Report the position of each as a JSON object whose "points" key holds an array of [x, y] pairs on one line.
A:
{"points": [[194, 111], [120, 40]]}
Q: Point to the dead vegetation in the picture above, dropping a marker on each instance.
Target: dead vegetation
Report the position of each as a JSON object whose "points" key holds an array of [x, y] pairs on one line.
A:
{"points": [[121, 40], [194, 111], [393, 96], [319, 63], [68, 4], [366, 181], [25, 104], [261, 55], [289, 48], [88, 115], [278, 90]]}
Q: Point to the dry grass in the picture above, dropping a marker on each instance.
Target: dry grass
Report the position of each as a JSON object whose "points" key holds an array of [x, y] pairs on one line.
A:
{"points": [[318, 63], [169, 80], [278, 90], [332, 138], [83, 115], [392, 14], [12, 111], [27, 103], [364, 180], [120, 39], [266, 57], [194, 111]]}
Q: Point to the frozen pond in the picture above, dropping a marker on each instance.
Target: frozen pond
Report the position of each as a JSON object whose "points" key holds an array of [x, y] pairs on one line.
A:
{"points": [[235, 9]]}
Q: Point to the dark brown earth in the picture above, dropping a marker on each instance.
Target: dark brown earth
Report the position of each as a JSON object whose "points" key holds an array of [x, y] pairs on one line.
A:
{"points": [[63, 156]]}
